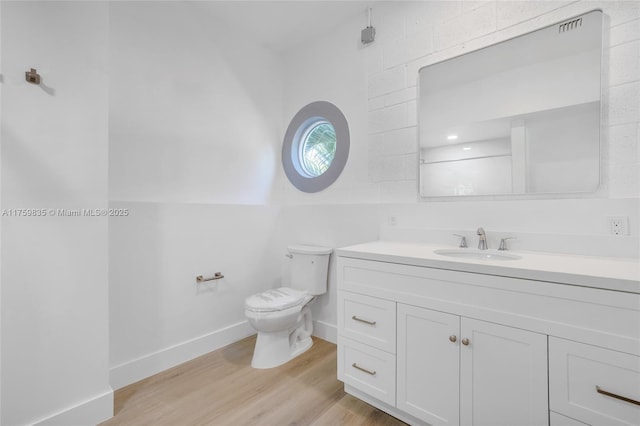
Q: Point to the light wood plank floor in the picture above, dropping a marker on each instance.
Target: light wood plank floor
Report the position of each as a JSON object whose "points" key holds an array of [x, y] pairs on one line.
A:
{"points": [[221, 388]]}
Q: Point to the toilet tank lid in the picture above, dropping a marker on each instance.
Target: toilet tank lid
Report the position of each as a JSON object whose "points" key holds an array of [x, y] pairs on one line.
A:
{"points": [[302, 249]]}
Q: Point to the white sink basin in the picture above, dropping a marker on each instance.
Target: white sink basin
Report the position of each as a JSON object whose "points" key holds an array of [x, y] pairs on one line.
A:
{"points": [[465, 253]]}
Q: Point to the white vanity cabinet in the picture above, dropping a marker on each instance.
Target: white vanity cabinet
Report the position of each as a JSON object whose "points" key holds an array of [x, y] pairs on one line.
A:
{"points": [[436, 345], [456, 370]]}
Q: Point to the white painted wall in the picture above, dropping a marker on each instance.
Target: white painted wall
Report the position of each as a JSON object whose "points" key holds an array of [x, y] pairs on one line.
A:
{"points": [[196, 113], [195, 125], [194, 107], [55, 356], [159, 315], [381, 171]]}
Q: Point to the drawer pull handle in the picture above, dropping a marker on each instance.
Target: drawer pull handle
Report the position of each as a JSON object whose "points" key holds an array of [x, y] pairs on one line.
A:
{"points": [[613, 395], [355, 318], [354, 365], [465, 341]]}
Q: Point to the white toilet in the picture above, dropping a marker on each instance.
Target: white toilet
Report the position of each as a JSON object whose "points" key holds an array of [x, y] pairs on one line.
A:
{"points": [[282, 316]]}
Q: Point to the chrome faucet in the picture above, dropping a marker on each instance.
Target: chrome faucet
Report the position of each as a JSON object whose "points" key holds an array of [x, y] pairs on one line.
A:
{"points": [[482, 241]]}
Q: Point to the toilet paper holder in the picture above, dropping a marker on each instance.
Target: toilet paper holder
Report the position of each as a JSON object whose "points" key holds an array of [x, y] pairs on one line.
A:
{"points": [[216, 276]]}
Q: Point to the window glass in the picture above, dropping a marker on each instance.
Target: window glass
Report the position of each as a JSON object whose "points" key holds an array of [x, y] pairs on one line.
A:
{"points": [[318, 148]]}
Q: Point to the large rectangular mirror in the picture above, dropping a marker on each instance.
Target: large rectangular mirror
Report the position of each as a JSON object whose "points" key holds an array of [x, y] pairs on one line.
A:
{"points": [[518, 117]]}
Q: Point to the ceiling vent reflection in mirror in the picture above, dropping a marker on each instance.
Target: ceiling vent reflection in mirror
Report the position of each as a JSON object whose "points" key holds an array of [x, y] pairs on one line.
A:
{"points": [[571, 25]]}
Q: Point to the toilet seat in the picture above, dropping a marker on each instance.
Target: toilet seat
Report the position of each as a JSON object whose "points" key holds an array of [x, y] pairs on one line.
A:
{"points": [[277, 299]]}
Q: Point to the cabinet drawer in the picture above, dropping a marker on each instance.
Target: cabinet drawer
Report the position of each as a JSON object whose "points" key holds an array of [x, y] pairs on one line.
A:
{"points": [[367, 320], [367, 369], [577, 371]]}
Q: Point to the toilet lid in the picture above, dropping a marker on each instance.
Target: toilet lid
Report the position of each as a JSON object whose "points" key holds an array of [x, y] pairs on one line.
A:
{"points": [[275, 299]]}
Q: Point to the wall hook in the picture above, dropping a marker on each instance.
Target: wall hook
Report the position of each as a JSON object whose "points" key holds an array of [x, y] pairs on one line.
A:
{"points": [[32, 76]]}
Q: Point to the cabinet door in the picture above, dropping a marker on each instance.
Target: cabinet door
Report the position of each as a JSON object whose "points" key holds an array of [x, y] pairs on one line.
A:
{"points": [[503, 375], [428, 365]]}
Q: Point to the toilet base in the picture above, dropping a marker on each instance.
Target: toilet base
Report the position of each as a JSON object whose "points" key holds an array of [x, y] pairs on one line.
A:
{"points": [[276, 348]]}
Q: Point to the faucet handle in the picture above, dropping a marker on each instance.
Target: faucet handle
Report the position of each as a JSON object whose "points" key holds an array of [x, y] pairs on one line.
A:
{"points": [[463, 240], [503, 243]]}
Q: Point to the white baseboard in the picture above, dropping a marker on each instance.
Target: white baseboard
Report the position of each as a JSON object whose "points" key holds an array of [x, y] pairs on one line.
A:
{"points": [[325, 331], [141, 368], [90, 412]]}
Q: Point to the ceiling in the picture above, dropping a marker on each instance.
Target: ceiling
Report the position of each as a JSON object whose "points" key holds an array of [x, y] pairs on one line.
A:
{"points": [[282, 25]]}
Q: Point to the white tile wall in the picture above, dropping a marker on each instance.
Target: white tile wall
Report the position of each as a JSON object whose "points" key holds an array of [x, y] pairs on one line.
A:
{"points": [[625, 150], [399, 191], [400, 96], [387, 168], [621, 104], [395, 53], [373, 56], [468, 26], [624, 33], [395, 142], [387, 81], [619, 12], [512, 12], [376, 103], [412, 113], [469, 5], [389, 118], [624, 62]]}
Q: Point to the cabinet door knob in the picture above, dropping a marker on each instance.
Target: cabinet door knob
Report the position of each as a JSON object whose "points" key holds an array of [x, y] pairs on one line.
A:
{"points": [[465, 341], [453, 338]]}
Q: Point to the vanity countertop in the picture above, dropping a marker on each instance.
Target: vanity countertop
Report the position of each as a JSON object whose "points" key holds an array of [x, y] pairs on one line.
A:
{"points": [[620, 274]]}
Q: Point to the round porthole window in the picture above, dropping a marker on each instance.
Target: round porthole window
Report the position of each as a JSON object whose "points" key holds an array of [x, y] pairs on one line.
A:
{"points": [[315, 147]]}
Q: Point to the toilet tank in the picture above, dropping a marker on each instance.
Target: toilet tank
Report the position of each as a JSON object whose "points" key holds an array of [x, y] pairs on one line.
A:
{"points": [[310, 268]]}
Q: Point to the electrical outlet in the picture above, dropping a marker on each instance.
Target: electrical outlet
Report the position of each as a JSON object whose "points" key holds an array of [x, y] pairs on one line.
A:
{"points": [[618, 225], [393, 221]]}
